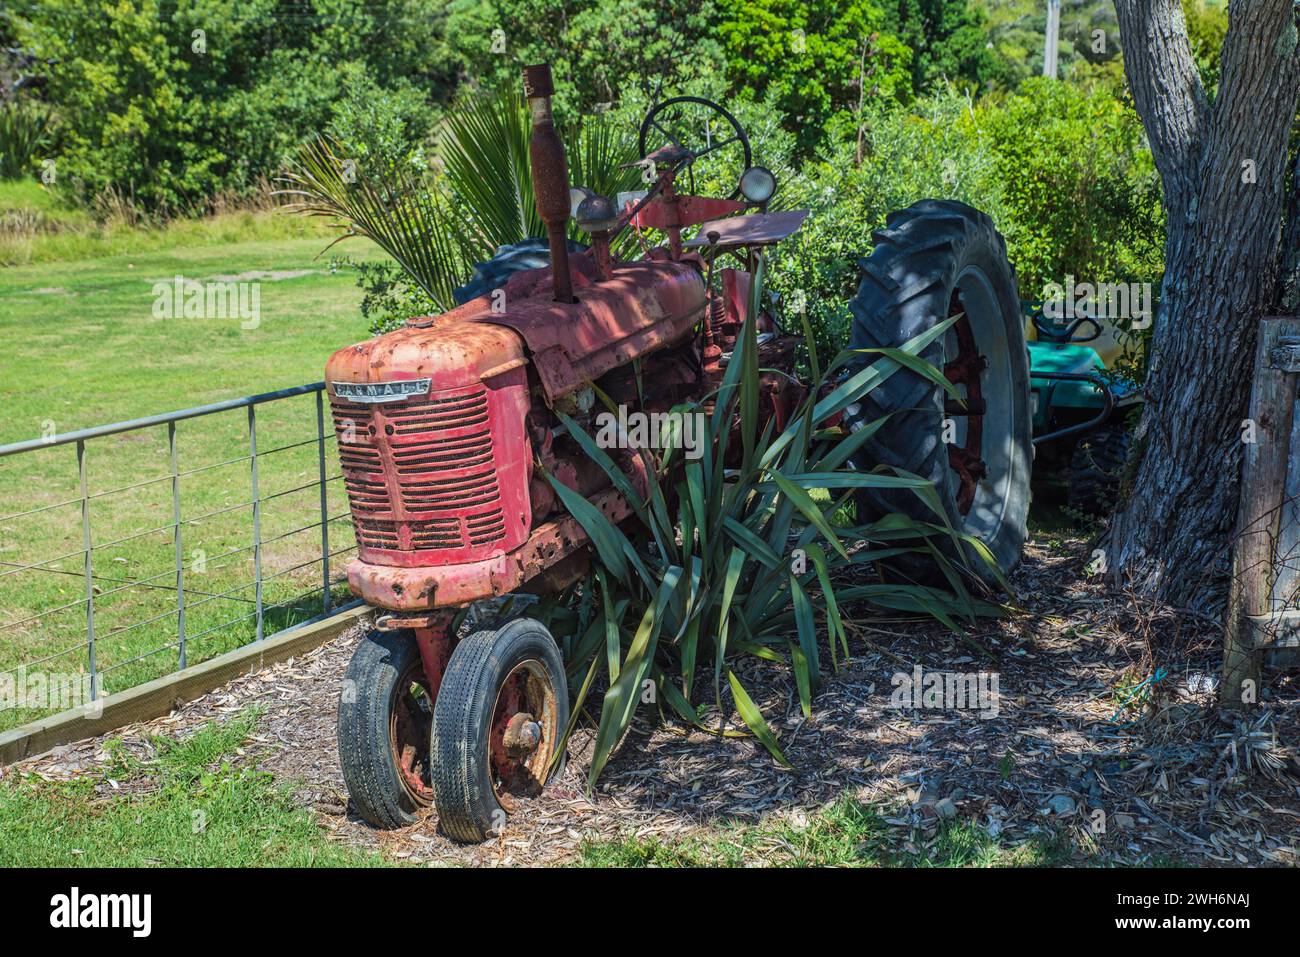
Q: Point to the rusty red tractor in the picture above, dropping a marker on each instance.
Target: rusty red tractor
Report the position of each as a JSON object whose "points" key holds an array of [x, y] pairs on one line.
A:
{"points": [[446, 425]]}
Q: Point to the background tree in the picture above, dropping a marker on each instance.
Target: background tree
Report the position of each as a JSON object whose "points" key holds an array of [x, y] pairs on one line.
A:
{"points": [[1223, 163], [599, 50], [818, 62], [172, 102], [949, 41]]}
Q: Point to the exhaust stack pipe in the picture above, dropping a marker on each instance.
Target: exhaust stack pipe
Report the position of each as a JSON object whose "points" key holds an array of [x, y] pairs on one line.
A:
{"points": [[550, 175]]}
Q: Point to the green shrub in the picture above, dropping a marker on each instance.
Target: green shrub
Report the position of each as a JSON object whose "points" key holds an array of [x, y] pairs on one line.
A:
{"points": [[909, 156], [389, 297], [819, 63], [171, 102], [25, 130], [1079, 183], [1064, 172], [600, 51], [383, 128], [949, 40]]}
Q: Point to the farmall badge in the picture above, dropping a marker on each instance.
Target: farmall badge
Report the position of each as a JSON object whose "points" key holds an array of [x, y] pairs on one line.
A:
{"points": [[380, 391]]}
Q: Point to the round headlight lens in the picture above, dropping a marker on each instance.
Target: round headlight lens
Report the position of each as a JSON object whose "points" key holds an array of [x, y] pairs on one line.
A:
{"points": [[758, 184]]}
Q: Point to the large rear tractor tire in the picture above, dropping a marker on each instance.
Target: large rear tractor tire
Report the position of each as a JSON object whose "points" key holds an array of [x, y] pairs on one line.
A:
{"points": [[934, 260]]}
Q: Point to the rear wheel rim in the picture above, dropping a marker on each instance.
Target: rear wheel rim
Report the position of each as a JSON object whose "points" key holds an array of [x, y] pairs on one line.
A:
{"points": [[525, 708], [977, 361], [410, 721]]}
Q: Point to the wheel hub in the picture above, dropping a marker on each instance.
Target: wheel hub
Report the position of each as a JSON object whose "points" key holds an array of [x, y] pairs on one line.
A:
{"points": [[410, 720], [966, 370], [524, 732], [522, 735]]}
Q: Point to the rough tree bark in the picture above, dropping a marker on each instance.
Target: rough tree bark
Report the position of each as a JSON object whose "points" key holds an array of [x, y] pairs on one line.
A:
{"points": [[1221, 269]]}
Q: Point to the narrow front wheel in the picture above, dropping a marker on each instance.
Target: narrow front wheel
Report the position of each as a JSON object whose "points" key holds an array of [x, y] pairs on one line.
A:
{"points": [[385, 713], [502, 706]]}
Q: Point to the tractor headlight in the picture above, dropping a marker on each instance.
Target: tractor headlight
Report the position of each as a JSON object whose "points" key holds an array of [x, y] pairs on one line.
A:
{"points": [[758, 184]]}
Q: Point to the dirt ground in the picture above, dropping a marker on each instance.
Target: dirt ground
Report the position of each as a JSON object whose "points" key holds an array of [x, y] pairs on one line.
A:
{"points": [[1174, 782]]}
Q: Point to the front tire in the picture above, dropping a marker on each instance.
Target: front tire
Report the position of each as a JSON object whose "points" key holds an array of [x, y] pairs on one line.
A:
{"points": [[934, 260], [385, 716], [502, 706]]}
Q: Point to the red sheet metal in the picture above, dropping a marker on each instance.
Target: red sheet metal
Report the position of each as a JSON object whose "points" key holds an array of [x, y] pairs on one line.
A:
{"points": [[643, 306]]}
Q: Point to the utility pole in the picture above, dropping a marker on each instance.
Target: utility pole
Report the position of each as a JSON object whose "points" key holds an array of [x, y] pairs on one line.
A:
{"points": [[1053, 35]]}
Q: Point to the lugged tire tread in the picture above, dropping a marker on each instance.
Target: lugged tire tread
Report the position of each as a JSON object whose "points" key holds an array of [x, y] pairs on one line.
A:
{"points": [[912, 261]]}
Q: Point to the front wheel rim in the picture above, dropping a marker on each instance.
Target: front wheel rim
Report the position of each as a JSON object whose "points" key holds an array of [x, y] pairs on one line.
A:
{"points": [[410, 721], [524, 731]]}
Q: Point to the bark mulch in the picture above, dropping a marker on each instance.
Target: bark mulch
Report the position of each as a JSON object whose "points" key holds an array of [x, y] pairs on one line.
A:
{"points": [[1075, 733]]}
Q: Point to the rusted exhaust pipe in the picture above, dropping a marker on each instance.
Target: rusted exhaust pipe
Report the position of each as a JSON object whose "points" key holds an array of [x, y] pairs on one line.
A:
{"points": [[550, 175]]}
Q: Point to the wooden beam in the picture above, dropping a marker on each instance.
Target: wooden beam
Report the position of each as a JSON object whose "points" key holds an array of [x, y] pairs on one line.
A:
{"points": [[1263, 483], [163, 695]]}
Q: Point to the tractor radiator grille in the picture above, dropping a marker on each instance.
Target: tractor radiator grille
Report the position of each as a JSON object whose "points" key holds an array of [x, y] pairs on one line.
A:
{"points": [[445, 413], [421, 475]]}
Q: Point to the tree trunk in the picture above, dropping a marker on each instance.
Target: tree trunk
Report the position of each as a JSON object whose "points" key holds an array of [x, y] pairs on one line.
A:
{"points": [[1223, 167]]}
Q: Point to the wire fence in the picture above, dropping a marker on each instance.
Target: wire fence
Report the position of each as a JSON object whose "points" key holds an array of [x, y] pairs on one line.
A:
{"points": [[121, 561]]}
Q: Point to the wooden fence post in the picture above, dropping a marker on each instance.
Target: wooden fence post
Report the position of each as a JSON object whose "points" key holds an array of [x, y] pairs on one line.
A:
{"points": [[1263, 481]]}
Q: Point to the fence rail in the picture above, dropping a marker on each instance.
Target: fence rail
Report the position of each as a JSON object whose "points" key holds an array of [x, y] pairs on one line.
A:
{"points": [[34, 630]]}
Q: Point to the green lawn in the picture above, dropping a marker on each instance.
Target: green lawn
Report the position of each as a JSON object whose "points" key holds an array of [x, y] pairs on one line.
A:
{"points": [[845, 834], [192, 805], [84, 347]]}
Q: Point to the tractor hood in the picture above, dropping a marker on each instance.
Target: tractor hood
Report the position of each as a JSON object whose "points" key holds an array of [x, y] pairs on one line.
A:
{"points": [[641, 307]]}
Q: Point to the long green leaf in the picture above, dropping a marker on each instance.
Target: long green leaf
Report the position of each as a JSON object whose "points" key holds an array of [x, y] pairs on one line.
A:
{"points": [[753, 718], [810, 510]]}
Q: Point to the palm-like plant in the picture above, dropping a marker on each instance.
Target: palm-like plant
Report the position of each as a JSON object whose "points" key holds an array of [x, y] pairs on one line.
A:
{"points": [[25, 128], [412, 222], [748, 557], [437, 228]]}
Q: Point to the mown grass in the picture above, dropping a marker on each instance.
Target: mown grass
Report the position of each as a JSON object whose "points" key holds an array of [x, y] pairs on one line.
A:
{"points": [[847, 833], [192, 805], [84, 347]]}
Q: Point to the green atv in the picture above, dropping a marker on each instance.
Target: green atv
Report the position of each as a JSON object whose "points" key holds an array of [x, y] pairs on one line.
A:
{"points": [[1079, 412]]}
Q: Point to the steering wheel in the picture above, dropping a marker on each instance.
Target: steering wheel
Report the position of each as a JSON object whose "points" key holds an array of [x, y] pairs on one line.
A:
{"points": [[1066, 334], [703, 128], [1053, 333]]}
